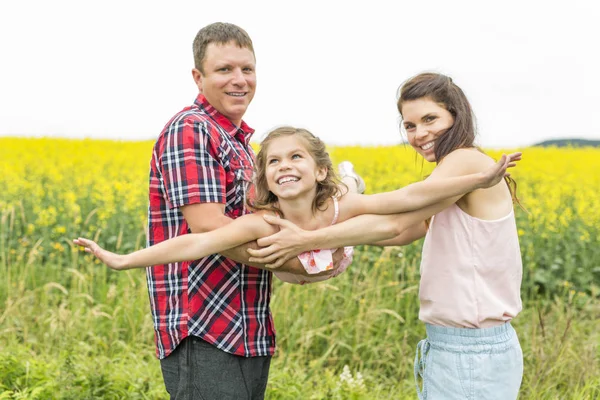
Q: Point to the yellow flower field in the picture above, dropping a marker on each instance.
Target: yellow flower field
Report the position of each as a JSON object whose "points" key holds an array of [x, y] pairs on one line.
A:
{"points": [[63, 315], [55, 189]]}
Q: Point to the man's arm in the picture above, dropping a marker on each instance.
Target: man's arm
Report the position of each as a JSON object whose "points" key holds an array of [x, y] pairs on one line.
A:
{"points": [[204, 217]]}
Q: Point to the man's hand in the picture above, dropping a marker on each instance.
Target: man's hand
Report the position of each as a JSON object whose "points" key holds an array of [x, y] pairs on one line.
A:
{"points": [[493, 175]]}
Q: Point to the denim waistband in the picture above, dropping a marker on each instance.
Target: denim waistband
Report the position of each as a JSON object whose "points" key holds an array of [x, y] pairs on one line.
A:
{"points": [[443, 336]]}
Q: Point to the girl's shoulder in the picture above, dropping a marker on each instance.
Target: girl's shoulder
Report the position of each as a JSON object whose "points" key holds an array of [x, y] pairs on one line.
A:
{"points": [[350, 204]]}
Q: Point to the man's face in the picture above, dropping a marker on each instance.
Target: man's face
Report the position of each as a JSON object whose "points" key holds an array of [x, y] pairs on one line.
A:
{"points": [[229, 79]]}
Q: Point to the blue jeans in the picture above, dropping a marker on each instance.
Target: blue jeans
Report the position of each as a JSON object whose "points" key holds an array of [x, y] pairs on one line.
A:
{"points": [[462, 363]]}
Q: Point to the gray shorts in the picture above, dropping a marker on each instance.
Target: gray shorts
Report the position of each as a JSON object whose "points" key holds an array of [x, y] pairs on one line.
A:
{"points": [[197, 370]]}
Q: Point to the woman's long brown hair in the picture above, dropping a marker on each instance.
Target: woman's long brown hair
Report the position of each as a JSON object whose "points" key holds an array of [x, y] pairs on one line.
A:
{"points": [[443, 91]]}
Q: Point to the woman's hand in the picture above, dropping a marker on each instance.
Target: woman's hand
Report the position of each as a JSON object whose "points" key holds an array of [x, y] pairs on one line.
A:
{"points": [[493, 175], [281, 246], [112, 260]]}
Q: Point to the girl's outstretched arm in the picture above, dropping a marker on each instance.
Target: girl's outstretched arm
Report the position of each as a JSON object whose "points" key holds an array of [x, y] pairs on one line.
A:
{"points": [[186, 247], [430, 191]]}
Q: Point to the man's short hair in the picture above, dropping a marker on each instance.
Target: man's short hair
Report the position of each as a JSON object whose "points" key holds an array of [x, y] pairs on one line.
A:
{"points": [[220, 33]]}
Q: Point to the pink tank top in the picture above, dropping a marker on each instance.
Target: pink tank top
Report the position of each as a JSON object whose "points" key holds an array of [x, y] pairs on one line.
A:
{"points": [[471, 271]]}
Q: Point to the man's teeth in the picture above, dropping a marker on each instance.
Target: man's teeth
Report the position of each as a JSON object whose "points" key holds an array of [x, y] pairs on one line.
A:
{"points": [[237, 94], [427, 146], [287, 179]]}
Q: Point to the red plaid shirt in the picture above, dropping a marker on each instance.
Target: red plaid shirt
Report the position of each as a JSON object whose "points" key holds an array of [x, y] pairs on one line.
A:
{"points": [[201, 157]]}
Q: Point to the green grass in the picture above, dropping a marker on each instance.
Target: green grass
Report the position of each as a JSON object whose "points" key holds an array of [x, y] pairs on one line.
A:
{"points": [[71, 329], [75, 330]]}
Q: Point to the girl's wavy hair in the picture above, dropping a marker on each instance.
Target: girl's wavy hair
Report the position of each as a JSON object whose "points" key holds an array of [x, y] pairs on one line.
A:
{"points": [[264, 199], [443, 91]]}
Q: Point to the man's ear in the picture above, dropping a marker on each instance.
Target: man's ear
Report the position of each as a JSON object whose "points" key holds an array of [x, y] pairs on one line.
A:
{"points": [[197, 75]]}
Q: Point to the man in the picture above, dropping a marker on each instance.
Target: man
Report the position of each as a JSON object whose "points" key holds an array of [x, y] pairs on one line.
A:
{"points": [[214, 331]]}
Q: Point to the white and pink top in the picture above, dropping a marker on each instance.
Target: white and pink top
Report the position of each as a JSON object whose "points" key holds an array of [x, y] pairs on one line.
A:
{"points": [[471, 271], [316, 261]]}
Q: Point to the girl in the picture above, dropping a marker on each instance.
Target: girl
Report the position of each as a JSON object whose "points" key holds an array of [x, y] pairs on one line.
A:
{"points": [[471, 263], [295, 180]]}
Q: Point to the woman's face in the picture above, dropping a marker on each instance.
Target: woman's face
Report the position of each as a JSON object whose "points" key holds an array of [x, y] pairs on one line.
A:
{"points": [[424, 121]]}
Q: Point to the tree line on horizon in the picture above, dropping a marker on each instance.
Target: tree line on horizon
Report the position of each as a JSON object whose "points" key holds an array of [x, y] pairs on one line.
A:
{"points": [[569, 143]]}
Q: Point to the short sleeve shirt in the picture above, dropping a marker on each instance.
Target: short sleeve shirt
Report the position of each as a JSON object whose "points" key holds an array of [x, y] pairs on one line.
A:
{"points": [[202, 157]]}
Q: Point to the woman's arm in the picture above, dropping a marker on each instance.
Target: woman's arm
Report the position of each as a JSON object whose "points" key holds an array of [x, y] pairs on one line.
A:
{"points": [[430, 191], [363, 229], [187, 247], [407, 236]]}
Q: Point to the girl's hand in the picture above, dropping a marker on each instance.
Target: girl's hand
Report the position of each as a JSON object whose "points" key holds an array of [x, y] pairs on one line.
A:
{"points": [[112, 260], [493, 175], [281, 246]]}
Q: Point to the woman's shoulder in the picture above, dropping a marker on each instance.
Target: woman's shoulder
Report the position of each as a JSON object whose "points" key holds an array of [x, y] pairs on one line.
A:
{"points": [[468, 153], [466, 160], [486, 204]]}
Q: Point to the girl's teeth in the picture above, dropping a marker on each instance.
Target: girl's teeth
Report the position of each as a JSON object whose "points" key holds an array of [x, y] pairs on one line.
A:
{"points": [[427, 146], [286, 180]]}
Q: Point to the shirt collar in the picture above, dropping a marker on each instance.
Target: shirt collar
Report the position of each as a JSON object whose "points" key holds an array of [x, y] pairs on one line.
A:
{"points": [[242, 132]]}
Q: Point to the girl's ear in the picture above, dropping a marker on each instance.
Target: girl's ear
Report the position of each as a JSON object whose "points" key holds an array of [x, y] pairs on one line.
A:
{"points": [[321, 173]]}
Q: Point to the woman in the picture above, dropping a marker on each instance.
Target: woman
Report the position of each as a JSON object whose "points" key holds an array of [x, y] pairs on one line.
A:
{"points": [[471, 266]]}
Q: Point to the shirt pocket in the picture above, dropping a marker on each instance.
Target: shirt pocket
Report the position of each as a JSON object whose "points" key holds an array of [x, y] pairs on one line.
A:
{"points": [[242, 174]]}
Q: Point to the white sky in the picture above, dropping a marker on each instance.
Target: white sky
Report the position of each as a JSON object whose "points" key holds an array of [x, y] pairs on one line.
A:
{"points": [[120, 69]]}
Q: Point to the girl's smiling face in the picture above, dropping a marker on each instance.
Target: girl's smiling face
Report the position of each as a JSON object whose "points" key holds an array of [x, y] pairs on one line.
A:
{"points": [[291, 170], [424, 121]]}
